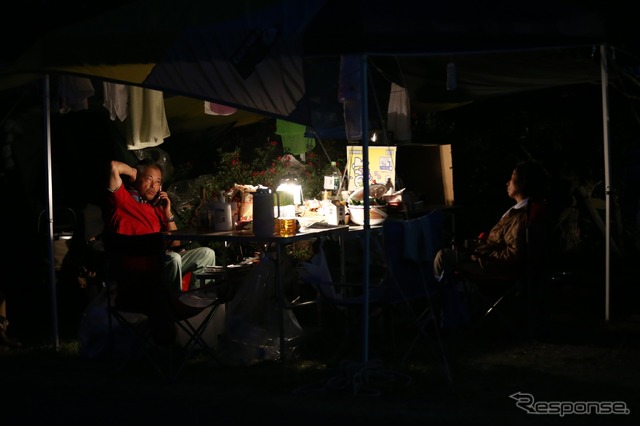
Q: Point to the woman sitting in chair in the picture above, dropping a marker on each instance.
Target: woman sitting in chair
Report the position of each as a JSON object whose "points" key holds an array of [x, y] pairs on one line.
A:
{"points": [[502, 253]]}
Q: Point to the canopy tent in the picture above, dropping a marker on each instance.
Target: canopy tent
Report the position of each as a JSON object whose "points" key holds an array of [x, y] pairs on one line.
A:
{"points": [[281, 57], [269, 56], [246, 54]]}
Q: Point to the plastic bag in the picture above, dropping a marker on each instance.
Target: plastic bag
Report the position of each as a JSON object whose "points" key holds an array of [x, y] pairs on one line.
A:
{"points": [[251, 325], [316, 273]]}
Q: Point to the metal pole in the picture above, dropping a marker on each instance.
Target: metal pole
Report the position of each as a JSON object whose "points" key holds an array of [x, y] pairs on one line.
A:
{"points": [[604, 73], [364, 110], [52, 267]]}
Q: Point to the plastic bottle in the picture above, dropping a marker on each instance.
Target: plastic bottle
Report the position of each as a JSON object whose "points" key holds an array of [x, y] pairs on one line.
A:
{"points": [[332, 178]]}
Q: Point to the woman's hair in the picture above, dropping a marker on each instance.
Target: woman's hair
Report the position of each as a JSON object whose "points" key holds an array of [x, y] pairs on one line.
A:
{"points": [[531, 178]]}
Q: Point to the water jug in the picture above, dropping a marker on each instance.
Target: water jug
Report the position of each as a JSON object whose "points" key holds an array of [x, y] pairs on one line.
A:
{"points": [[222, 218], [263, 214]]}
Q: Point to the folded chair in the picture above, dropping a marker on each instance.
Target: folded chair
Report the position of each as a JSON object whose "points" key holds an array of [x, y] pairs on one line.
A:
{"points": [[140, 302], [407, 294]]}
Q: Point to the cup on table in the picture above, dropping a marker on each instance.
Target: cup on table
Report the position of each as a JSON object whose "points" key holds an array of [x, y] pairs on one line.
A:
{"points": [[286, 227]]}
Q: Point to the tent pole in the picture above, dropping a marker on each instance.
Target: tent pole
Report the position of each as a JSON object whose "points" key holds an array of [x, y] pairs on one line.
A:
{"points": [[364, 129], [604, 73], [52, 268]]}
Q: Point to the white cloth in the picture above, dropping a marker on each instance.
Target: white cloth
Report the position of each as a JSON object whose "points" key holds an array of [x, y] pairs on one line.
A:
{"points": [[116, 100], [398, 113], [147, 124]]}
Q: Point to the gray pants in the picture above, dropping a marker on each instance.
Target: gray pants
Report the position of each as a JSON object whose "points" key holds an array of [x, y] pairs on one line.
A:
{"points": [[178, 264]]}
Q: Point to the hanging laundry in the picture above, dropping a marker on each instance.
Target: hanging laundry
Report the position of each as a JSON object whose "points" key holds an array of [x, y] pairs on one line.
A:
{"points": [[398, 113], [116, 100], [211, 108], [293, 136], [74, 93], [147, 124]]}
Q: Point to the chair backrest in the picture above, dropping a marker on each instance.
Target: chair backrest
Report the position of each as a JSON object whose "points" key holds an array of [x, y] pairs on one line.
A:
{"points": [[64, 225], [64, 222], [136, 263], [538, 236], [410, 247]]}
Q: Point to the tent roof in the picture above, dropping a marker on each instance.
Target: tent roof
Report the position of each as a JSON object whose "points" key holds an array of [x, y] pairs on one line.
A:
{"points": [[280, 57]]}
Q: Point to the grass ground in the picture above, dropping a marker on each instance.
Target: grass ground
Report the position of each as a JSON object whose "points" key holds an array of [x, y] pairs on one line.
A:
{"points": [[579, 358]]}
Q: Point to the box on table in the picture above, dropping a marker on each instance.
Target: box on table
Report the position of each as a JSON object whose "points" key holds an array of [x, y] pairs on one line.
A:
{"points": [[334, 214]]}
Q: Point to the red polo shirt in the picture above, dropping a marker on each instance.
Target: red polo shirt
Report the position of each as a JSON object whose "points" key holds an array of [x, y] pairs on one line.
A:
{"points": [[125, 215]]}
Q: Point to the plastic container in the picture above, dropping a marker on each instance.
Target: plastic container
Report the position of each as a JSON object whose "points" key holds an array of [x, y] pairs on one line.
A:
{"points": [[222, 214], [332, 177], [263, 209]]}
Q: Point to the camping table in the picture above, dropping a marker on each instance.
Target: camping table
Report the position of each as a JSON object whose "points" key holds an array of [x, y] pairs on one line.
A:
{"points": [[247, 237]]}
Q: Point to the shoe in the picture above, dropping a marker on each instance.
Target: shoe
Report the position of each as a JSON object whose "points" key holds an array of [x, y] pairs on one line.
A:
{"points": [[8, 341]]}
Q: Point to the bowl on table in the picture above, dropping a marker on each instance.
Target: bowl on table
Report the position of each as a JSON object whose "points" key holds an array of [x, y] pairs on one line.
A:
{"points": [[377, 205], [377, 214]]}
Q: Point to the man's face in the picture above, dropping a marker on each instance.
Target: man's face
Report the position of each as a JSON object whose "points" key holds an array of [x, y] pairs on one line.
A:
{"points": [[149, 183]]}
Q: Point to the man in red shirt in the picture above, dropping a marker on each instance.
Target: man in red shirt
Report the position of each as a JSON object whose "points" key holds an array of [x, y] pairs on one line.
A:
{"points": [[143, 208]]}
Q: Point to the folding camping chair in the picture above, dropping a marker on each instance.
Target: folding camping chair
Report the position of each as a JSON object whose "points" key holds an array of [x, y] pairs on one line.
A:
{"points": [[144, 306], [493, 294], [408, 292], [410, 247]]}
